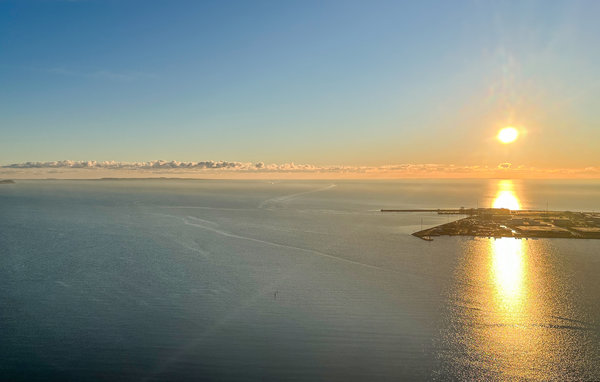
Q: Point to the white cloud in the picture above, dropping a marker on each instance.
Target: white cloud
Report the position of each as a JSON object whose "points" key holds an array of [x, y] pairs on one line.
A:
{"points": [[219, 168], [112, 165]]}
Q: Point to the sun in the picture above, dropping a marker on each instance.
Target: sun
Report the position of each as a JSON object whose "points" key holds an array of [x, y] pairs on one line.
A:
{"points": [[508, 135]]}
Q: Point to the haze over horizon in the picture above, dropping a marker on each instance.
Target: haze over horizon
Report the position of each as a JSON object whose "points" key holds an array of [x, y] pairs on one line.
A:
{"points": [[304, 89]]}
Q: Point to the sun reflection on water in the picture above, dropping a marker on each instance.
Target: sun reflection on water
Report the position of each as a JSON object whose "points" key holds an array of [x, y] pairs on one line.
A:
{"points": [[506, 196], [508, 273], [512, 317]]}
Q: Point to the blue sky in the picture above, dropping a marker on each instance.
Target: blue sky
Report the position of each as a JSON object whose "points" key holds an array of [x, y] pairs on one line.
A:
{"points": [[324, 82]]}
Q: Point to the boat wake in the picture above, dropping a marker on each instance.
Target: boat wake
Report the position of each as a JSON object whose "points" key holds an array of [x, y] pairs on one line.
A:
{"points": [[195, 222], [288, 198]]}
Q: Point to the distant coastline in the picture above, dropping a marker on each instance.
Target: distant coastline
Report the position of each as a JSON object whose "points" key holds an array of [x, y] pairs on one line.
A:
{"points": [[7, 181]]}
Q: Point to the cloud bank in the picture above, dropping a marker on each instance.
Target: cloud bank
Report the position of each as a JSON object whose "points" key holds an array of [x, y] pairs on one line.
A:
{"points": [[225, 169], [158, 164]]}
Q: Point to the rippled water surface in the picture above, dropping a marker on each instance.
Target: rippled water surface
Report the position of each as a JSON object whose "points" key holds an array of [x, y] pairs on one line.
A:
{"points": [[238, 280]]}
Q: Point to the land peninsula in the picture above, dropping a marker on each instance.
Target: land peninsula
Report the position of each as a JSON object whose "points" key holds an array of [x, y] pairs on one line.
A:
{"points": [[502, 222]]}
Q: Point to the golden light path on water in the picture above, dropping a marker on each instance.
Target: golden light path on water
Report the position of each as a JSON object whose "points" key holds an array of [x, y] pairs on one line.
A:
{"points": [[512, 316], [510, 339], [508, 273], [497, 333], [507, 262], [506, 196]]}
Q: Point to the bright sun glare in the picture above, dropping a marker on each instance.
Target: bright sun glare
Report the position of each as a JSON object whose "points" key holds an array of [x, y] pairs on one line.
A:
{"points": [[508, 135], [506, 197]]}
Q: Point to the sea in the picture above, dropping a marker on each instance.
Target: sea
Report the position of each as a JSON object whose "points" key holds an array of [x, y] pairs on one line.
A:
{"points": [[255, 280]]}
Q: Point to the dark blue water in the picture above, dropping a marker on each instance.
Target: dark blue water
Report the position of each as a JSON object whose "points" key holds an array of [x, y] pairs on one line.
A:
{"points": [[252, 280]]}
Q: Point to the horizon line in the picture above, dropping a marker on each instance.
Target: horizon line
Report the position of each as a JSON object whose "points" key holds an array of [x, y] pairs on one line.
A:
{"points": [[69, 169]]}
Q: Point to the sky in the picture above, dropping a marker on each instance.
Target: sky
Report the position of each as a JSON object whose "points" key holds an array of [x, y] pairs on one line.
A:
{"points": [[326, 87]]}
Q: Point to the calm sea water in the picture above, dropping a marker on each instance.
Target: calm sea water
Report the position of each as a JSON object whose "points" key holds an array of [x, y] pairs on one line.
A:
{"points": [[273, 281]]}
